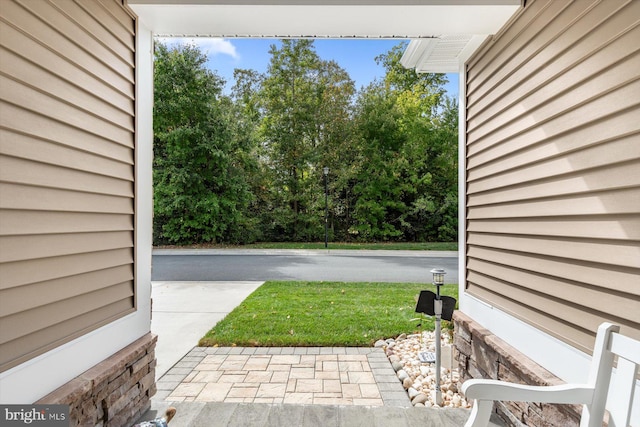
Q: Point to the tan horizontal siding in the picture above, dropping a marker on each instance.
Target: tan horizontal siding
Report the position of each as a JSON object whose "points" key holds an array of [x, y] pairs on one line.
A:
{"points": [[551, 305], [551, 319], [67, 137], [505, 46], [20, 171], [519, 151], [35, 149], [119, 43], [63, 332], [615, 101], [520, 185], [19, 121], [25, 322], [18, 299], [48, 222], [18, 69], [553, 288], [615, 252], [583, 61], [12, 39], [553, 168], [609, 227], [56, 16], [15, 196], [613, 202], [43, 104], [621, 279], [552, 44], [582, 99], [53, 245], [106, 68], [25, 272], [108, 10], [547, 160]]}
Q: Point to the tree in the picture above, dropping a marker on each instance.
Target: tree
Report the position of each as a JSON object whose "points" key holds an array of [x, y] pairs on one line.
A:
{"points": [[200, 193], [335, 126], [402, 187], [306, 104], [248, 166], [246, 115], [378, 184], [429, 122]]}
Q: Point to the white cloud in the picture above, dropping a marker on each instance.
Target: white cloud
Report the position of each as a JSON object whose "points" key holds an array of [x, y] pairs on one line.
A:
{"points": [[209, 46]]}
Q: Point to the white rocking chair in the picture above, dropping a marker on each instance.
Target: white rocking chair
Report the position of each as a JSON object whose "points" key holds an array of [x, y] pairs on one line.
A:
{"points": [[593, 395]]}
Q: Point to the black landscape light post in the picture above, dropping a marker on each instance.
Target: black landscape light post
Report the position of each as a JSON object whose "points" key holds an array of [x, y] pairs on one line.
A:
{"points": [[438, 280], [325, 171], [442, 307]]}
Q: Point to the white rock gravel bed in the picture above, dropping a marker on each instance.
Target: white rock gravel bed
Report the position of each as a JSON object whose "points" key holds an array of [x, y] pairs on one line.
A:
{"points": [[419, 378]]}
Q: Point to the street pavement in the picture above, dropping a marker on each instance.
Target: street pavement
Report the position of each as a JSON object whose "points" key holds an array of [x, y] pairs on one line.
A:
{"points": [[327, 265]]}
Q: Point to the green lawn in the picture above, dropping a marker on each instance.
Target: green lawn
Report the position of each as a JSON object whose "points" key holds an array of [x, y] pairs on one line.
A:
{"points": [[432, 246], [322, 314]]}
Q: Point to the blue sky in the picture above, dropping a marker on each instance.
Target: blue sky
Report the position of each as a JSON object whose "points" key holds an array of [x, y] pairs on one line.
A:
{"points": [[357, 56]]}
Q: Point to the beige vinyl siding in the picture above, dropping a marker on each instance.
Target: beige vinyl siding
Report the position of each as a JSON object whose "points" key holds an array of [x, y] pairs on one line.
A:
{"points": [[66, 172], [553, 168]]}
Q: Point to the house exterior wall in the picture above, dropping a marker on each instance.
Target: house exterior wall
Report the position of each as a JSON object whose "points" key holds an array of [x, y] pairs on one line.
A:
{"points": [[75, 201], [551, 208], [553, 169]]}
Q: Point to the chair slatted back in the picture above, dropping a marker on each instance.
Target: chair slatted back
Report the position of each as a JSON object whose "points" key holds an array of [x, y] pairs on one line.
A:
{"points": [[628, 352], [609, 346]]}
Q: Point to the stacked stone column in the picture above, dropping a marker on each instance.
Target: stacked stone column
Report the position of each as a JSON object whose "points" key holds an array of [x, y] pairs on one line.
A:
{"points": [[115, 392]]}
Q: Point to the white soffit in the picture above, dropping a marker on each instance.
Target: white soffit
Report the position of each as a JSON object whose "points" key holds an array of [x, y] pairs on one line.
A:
{"points": [[443, 54], [324, 19]]}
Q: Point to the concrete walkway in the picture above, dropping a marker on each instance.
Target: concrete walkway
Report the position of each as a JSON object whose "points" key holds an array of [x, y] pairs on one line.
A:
{"points": [[300, 375], [182, 312], [198, 414]]}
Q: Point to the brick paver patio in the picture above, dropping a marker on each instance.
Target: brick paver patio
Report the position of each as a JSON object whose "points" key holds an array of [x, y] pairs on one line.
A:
{"points": [[300, 375]]}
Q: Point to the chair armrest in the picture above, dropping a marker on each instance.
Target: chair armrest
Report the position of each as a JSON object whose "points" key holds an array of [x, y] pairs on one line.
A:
{"points": [[500, 390], [486, 391]]}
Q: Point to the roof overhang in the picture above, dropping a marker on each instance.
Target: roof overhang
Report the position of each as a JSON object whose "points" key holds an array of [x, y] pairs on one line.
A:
{"points": [[445, 30], [443, 54]]}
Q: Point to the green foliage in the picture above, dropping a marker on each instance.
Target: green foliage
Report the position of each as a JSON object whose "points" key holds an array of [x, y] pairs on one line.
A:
{"points": [[305, 112], [200, 192], [248, 167], [405, 187], [321, 314]]}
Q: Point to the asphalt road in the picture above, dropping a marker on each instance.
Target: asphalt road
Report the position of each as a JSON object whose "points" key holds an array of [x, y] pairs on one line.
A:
{"points": [[302, 265]]}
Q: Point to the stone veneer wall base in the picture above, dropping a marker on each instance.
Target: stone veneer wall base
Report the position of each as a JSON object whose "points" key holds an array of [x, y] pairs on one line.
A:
{"points": [[115, 392], [480, 354]]}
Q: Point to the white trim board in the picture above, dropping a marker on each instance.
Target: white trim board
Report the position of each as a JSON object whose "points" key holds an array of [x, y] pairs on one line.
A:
{"points": [[324, 18]]}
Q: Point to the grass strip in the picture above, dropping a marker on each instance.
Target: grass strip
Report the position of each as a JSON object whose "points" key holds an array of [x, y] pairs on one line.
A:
{"points": [[432, 246], [323, 314]]}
